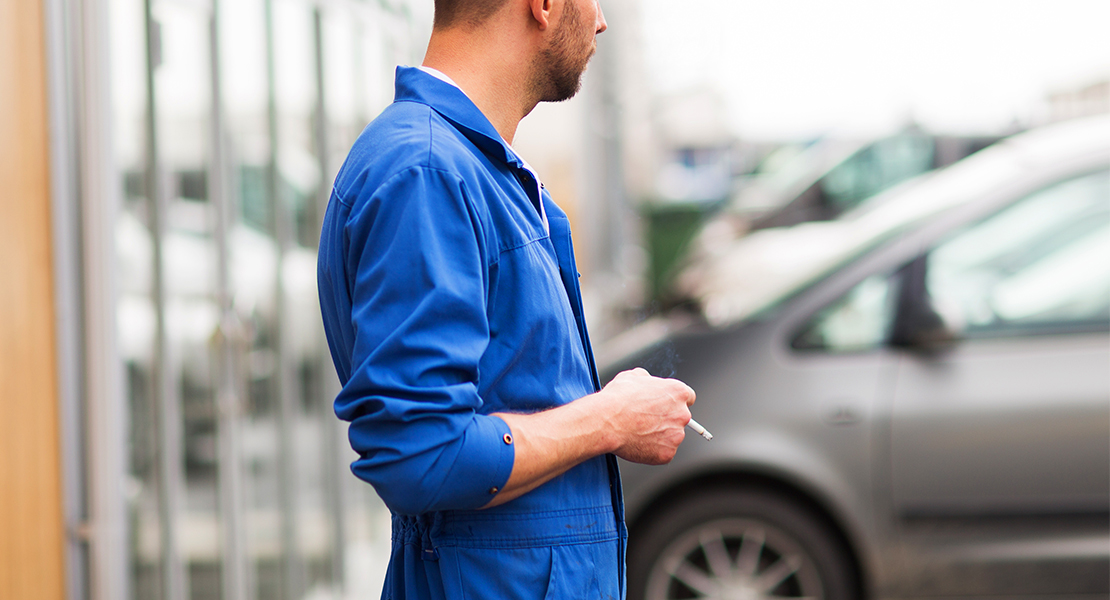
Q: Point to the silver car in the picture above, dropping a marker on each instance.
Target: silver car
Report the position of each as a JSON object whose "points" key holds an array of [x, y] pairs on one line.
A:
{"points": [[910, 401]]}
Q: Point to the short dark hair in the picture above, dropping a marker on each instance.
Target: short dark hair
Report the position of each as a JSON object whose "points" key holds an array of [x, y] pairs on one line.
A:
{"points": [[449, 13]]}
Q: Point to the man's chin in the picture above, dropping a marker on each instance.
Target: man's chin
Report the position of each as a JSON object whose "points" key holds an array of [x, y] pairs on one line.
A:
{"points": [[564, 93]]}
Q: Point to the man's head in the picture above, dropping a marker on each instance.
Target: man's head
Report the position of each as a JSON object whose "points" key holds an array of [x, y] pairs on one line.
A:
{"points": [[557, 69], [564, 30], [509, 55], [452, 13]]}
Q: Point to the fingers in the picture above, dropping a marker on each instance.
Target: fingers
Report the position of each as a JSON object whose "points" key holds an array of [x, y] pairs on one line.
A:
{"points": [[690, 395], [657, 450], [653, 415], [685, 392], [650, 413], [669, 386]]}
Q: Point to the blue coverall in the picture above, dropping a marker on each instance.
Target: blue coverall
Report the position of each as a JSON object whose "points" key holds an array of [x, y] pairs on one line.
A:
{"points": [[445, 299]]}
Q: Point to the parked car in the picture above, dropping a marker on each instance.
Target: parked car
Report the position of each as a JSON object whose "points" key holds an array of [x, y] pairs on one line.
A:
{"points": [[833, 175], [912, 400], [796, 184]]}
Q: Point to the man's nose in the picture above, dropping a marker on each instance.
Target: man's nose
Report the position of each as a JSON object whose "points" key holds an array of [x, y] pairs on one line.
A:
{"points": [[601, 26]]}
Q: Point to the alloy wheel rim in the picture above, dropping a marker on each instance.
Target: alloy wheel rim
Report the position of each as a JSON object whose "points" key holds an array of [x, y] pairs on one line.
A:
{"points": [[734, 559]]}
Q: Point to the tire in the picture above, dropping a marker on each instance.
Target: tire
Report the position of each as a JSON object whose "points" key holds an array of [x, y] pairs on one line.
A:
{"points": [[739, 543]]}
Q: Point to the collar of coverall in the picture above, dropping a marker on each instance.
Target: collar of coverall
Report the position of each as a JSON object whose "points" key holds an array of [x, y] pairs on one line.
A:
{"points": [[510, 155], [416, 85]]}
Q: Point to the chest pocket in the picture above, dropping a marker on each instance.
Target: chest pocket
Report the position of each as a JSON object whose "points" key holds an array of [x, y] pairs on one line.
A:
{"points": [[535, 359]]}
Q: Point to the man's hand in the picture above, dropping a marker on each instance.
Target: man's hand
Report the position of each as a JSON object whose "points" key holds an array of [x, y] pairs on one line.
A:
{"points": [[647, 414], [637, 417]]}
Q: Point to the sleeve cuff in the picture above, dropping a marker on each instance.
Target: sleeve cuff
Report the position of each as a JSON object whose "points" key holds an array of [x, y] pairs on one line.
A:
{"points": [[489, 437]]}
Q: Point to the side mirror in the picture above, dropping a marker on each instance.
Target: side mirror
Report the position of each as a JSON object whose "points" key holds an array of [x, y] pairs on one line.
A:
{"points": [[925, 330], [917, 324]]}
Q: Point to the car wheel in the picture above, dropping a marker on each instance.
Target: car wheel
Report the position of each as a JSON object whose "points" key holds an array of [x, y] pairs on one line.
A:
{"points": [[739, 544]]}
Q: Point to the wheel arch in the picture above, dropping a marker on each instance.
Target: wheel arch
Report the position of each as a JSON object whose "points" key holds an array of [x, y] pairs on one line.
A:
{"points": [[749, 477]]}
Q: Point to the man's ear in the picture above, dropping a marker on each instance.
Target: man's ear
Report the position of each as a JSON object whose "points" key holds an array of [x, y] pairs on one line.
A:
{"points": [[541, 12]]}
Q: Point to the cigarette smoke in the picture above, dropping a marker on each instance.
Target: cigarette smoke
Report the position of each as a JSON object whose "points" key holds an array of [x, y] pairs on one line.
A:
{"points": [[663, 361]]}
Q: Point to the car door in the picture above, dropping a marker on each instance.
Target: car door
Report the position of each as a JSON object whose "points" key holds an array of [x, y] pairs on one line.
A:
{"points": [[1000, 427]]}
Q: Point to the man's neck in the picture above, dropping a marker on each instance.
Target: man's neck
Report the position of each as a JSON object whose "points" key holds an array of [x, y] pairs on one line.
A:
{"points": [[491, 70]]}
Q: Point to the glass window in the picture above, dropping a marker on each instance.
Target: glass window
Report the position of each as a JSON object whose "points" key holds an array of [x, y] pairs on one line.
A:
{"points": [[1039, 266], [875, 168], [135, 309], [859, 321], [238, 476], [244, 87]]}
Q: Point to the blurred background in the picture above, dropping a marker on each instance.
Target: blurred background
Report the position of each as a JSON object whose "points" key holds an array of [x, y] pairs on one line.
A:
{"points": [[169, 162]]}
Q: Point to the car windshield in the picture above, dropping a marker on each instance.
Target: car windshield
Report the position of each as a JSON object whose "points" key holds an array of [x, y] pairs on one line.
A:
{"points": [[768, 267], [789, 171]]}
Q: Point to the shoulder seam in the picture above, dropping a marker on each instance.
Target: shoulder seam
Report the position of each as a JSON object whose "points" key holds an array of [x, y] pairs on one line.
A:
{"points": [[340, 197], [431, 142], [467, 200]]}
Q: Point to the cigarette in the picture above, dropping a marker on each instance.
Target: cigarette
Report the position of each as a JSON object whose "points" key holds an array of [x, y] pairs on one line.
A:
{"points": [[699, 429]]}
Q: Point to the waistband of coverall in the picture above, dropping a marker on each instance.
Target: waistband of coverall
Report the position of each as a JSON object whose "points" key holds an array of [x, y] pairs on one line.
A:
{"points": [[498, 529]]}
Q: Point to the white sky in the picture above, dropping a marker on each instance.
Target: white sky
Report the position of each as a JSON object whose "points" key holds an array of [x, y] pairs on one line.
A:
{"points": [[796, 68]]}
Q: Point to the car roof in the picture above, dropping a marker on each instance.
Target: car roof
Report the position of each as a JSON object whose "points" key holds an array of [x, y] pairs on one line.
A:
{"points": [[754, 272]]}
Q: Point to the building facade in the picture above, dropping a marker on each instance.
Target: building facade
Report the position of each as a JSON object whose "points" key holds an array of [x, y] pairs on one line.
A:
{"points": [[165, 387], [174, 159]]}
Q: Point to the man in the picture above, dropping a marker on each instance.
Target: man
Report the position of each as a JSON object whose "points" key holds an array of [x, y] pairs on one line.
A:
{"points": [[454, 317]]}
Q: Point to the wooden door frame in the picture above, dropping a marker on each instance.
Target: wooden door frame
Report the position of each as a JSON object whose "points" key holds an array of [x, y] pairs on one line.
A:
{"points": [[32, 533]]}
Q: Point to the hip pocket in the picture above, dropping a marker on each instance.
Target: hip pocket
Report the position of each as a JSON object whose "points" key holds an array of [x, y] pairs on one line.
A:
{"points": [[588, 571], [502, 573], [574, 572]]}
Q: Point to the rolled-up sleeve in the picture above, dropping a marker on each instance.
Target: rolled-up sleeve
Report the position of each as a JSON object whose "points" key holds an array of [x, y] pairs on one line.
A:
{"points": [[417, 278]]}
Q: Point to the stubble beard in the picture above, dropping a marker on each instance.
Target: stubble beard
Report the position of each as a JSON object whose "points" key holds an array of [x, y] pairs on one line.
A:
{"points": [[557, 70]]}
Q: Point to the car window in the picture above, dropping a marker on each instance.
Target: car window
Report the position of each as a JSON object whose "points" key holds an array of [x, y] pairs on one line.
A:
{"points": [[875, 168], [1039, 266], [857, 322]]}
